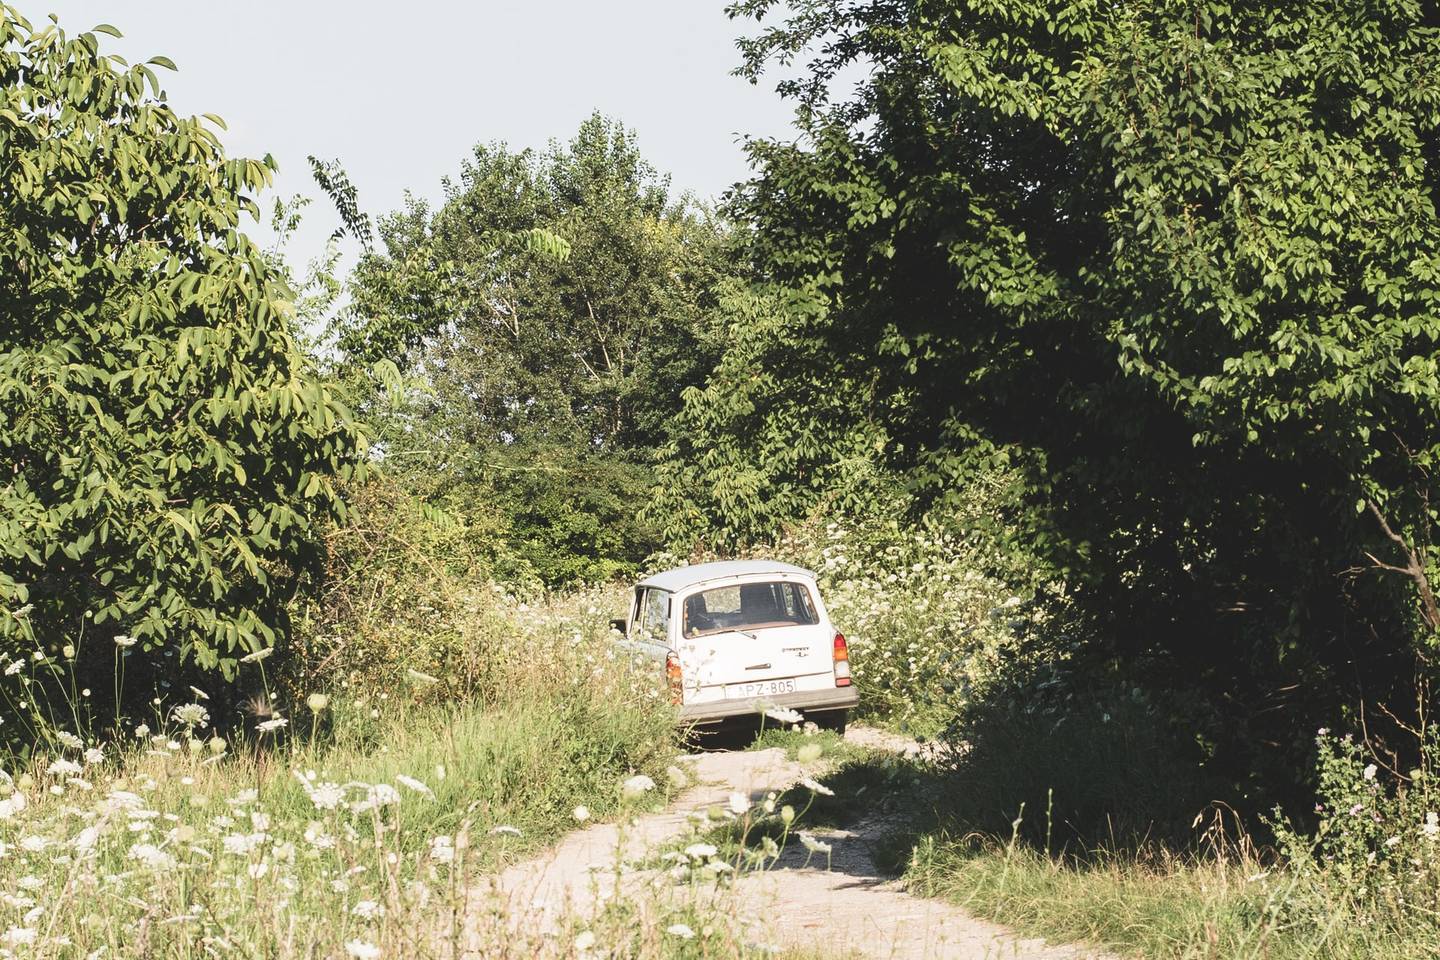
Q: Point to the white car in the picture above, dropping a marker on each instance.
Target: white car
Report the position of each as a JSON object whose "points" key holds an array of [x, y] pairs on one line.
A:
{"points": [[742, 636]]}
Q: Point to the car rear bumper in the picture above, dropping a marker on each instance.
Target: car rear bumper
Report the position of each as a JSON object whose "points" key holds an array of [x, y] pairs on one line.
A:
{"points": [[806, 701]]}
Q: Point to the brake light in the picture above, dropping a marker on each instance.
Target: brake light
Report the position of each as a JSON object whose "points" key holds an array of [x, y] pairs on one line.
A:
{"points": [[842, 661], [674, 678]]}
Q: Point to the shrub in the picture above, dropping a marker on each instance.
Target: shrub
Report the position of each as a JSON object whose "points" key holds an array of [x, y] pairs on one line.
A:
{"points": [[1374, 853], [168, 453]]}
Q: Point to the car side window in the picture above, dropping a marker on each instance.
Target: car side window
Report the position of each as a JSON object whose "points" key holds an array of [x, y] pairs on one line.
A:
{"points": [[637, 613], [655, 616]]}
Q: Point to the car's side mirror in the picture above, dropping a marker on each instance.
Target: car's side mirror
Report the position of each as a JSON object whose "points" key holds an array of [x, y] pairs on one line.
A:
{"points": [[620, 625]]}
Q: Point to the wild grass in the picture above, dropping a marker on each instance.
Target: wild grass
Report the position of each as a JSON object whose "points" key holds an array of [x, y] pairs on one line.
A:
{"points": [[1163, 905], [152, 847], [1361, 879]]}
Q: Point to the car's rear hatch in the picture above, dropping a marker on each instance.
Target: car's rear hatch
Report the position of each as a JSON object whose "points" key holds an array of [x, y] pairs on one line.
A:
{"points": [[756, 662]]}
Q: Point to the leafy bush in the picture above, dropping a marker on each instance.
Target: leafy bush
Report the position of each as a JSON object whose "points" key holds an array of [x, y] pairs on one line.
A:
{"points": [[935, 604], [1175, 264], [571, 518], [1073, 770], [928, 620], [410, 609], [168, 454], [1375, 850]]}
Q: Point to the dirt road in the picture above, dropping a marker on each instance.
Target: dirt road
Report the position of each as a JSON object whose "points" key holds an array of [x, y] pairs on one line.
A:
{"points": [[849, 907]]}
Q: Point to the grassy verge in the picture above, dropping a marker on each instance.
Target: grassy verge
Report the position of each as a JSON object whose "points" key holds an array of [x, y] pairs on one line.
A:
{"points": [[158, 850], [1162, 906], [1362, 883]]}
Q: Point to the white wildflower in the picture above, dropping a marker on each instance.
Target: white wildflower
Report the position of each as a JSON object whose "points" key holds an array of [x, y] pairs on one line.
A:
{"points": [[1370, 772], [152, 856], [69, 740], [813, 845], [701, 851], [117, 800], [274, 723], [327, 796], [637, 786], [367, 910], [816, 787], [190, 715], [15, 667], [242, 844], [410, 783], [125, 642], [581, 813], [739, 804], [20, 936], [64, 768], [782, 715], [95, 755], [361, 950], [316, 836], [680, 930], [442, 849], [12, 805]]}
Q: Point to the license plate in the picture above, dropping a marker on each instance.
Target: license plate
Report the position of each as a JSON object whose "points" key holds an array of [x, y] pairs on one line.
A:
{"points": [[761, 688]]}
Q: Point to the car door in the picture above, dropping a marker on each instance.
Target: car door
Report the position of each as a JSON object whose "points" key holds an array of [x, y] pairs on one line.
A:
{"points": [[650, 625]]}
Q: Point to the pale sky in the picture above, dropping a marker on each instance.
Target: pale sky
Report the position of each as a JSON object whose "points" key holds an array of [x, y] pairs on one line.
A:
{"points": [[400, 92]]}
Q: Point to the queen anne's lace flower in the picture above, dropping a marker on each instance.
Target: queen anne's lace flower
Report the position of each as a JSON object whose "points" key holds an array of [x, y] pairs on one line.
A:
{"points": [[152, 856], [191, 715], [64, 768], [817, 787], [813, 845], [12, 805], [410, 783], [637, 786], [442, 849]]}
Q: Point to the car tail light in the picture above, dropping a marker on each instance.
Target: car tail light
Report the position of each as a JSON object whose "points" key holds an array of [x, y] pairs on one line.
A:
{"points": [[675, 678], [842, 661]]}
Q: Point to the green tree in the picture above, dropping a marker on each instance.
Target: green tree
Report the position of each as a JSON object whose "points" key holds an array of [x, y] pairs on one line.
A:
{"points": [[533, 367], [592, 346], [166, 451], [1179, 262]]}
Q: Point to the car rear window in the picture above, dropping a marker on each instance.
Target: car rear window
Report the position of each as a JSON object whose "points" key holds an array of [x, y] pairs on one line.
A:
{"points": [[748, 606]]}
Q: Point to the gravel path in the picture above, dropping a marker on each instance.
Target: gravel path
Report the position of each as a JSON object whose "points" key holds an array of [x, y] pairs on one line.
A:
{"points": [[849, 908]]}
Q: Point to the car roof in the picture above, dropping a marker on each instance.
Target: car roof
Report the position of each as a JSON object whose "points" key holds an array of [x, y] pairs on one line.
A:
{"points": [[682, 577]]}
